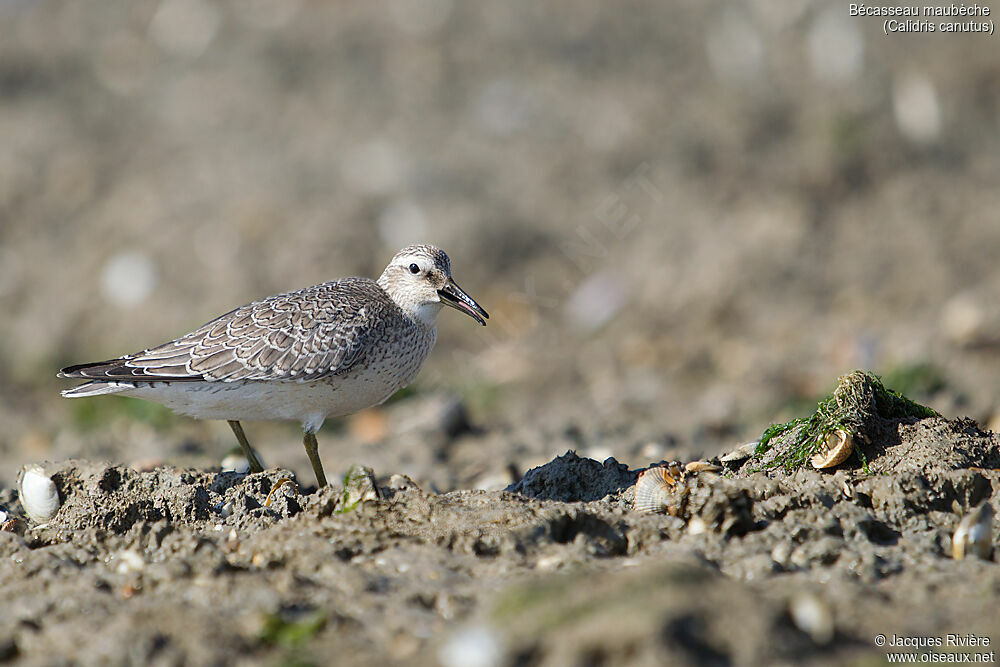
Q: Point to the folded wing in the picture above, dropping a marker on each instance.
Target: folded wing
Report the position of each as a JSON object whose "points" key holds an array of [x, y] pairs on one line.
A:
{"points": [[315, 332]]}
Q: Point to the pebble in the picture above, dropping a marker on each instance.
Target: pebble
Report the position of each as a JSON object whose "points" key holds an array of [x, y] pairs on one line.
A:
{"points": [[813, 617], [474, 646]]}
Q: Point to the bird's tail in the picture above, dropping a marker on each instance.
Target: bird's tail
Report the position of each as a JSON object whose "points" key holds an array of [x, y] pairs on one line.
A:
{"points": [[97, 388]]}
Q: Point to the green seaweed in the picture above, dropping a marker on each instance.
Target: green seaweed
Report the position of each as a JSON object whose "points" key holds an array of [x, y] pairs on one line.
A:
{"points": [[279, 630], [854, 406], [359, 486]]}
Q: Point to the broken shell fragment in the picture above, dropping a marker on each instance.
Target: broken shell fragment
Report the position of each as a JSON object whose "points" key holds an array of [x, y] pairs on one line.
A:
{"points": [[741, 453], [13, 525], [835, 449], [974, 534], [702, 466], [38, 493], [652, 489]]}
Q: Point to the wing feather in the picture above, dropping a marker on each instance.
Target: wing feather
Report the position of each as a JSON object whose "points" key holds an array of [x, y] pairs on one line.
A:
{"points": [[315, 332]]}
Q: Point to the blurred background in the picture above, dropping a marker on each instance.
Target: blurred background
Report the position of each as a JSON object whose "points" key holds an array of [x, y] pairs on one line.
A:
{"points": [[686, 219]]}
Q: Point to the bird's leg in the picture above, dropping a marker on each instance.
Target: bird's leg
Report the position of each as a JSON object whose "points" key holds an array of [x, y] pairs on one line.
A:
{"points": [[255, 465], [312, 449]]}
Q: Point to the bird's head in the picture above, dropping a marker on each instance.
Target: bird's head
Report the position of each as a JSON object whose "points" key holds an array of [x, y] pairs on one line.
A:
{"points": [[419, 280]]}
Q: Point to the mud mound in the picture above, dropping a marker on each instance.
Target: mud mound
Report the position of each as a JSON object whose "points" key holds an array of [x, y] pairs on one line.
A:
{"points": [[570, 478]]}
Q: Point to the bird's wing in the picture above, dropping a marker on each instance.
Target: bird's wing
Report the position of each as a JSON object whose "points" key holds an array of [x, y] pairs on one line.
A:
{"points": [[315, 332]]}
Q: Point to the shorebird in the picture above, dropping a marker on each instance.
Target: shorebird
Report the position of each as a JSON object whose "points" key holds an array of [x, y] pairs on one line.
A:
{"points": [[324, 351]]}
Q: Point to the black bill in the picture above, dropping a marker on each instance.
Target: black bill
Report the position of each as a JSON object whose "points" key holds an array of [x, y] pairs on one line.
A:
{"points": [[454, 296]]}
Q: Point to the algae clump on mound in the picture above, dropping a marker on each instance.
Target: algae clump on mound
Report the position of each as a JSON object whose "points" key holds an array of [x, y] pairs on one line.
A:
{"points": [[855, 406]]}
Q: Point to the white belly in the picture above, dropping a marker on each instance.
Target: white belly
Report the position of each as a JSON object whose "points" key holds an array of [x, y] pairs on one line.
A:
{"points": [[308, 402]]}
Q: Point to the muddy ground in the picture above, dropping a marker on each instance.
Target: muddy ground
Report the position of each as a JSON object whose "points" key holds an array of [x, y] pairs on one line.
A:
{"points": [[185, 566]]}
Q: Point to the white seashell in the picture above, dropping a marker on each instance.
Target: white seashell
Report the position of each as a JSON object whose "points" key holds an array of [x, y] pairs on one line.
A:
{"points": [[974, 534], [741, 453], [835, 450], [38, 493], [652, 490], [702, 466]]}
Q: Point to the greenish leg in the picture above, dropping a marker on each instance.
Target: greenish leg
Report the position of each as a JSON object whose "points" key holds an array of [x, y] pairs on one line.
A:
{"points": [[312, 449], [255, 465]]}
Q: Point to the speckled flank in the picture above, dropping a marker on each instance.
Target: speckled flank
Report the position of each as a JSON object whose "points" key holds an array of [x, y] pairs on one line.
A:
{"points": [[323, 351]]}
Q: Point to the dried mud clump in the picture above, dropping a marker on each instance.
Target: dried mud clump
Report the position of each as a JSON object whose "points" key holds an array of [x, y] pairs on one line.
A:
{"points": [[569, 478]]}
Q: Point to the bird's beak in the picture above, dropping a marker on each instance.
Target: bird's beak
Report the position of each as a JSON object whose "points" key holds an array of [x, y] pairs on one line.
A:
{"points": [[453, 295]]}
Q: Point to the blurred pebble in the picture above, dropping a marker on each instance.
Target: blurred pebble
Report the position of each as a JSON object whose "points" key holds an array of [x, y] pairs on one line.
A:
{"points": [[184, 27], [781, 552], [147, 465], [128, 279], [963, 319], [836, 47], [916, 107], [974, 534], [697, 526], [493, 480], [595, 301], [652, 451], [475, 646], [550, 562], [813, 617], [129, 561], [235, 461]]}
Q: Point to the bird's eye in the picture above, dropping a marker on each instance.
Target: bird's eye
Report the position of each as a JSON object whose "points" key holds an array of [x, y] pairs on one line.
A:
{"points": [[414, 268]]}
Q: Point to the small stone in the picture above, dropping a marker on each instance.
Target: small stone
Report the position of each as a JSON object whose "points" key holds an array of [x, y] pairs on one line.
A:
{"points": [[813, 617], [129, 561], [359, 486], [476, 646], [741, 453]]}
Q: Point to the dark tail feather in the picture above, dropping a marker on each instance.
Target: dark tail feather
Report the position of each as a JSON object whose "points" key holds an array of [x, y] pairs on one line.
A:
{"points": [[97, 370]]}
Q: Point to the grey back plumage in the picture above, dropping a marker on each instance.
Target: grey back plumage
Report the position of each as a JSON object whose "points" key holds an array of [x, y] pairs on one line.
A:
{"points": [[316, 332]]}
